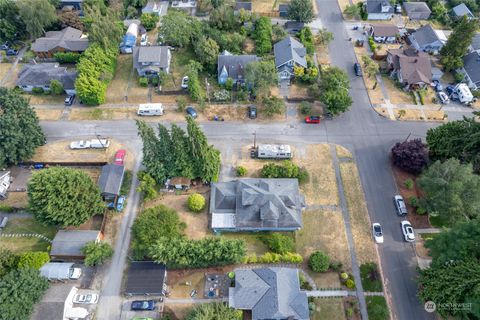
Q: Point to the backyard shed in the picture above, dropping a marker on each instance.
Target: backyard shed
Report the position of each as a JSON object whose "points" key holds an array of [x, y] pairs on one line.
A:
{"points": [[67, 244], [110, 181], [146, 278]]}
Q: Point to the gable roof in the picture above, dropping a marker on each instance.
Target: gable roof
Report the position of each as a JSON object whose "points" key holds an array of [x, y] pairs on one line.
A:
{"points": [[248, 204], [462, 10], [152, 54], [243, 5], [416, 7], [385, 30], [69, 39], [70, 242], [414, 66], [234, 65], [289, 49], [471, 64], [426, 35], [476, 42], [145, 278], [40, 75], [270, 293], [111, 179], [375, 6]]}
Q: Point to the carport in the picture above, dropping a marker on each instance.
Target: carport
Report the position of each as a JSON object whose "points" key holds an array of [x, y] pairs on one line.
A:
{"points": [[146, 278]]}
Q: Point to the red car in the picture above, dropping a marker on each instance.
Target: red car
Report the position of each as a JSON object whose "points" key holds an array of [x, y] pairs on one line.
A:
{"points": [[312, 119], [120, 157]]}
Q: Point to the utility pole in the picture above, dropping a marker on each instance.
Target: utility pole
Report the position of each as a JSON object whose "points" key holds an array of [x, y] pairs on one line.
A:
{"points": [[207, 85]]}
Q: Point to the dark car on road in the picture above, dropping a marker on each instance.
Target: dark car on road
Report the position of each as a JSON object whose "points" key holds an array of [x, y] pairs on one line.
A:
{"points": [[191, 112], [252, 112], [312, 119], [141, 305], [12, 52], [357, 69]]}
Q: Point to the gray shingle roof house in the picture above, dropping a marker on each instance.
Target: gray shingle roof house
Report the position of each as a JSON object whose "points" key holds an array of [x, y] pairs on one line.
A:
{"points": [[289, 53], [378, 10], [110, 181], [39, 76], [428, 40], [462, 10], [256, 205], [471, 70], [67, 244], [384, 32], [410, 67], [475, 45], [66, 40], [270, 293], [149, 61], [233, 66], [417, 10]]}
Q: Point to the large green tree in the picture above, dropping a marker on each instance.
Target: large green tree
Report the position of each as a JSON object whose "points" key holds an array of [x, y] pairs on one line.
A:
{"points": [[153, 223], [20, 289], [11, 26], [63, 197], [214, 311], [33, 259], [104, 28], [20, 132], [176, 28], [332, 90], [301, 10], [206, 50], [36, 15], [260, 76], [183, 164], [263, 36], [457, 44], [149, 20], [152, 160], [223, 18], [450, 190], [456, 139], [452, 283], [96, 253]]}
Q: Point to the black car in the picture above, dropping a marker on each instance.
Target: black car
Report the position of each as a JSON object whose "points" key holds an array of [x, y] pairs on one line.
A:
{"points": [[141, 305], [12, 52], [438, 86], [252, 112], [191, 112], [69, 100], [358, 69]]}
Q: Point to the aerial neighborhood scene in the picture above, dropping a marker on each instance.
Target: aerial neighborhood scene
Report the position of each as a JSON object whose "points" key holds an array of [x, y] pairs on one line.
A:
{"points": [[239, 159]]}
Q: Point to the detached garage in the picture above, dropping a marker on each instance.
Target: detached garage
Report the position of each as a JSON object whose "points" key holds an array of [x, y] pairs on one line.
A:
{"points": [[146, 278], [67, 244]]}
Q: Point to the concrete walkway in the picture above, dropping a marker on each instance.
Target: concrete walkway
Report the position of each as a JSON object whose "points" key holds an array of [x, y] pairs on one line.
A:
{"points": [[348, 229], [330, 293], [428, 230], [388, 105]]}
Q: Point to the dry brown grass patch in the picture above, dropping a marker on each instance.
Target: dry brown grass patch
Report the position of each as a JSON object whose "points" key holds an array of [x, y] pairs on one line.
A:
{"points": [[323, 56], [376, 95], [228, 112], [17, 200], [49, 114], [343, 152], [45, 99], [397, 96], [179, 289], [178, 311], [357, 208], [298, 91], [326, 279]]}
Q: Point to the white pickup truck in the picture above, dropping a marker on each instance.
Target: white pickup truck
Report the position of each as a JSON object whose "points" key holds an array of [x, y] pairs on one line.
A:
{"points": [[93, 144]]}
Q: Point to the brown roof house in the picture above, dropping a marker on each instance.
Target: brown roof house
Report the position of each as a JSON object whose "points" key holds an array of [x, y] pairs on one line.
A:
{"points": [[384, 33], [66, 40], [410, 67]]}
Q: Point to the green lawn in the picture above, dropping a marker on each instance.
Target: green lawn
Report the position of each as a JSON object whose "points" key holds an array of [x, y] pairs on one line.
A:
{"points": [[371, 280], [328, 309], [377, 308], [254, 244], [22, 244]]}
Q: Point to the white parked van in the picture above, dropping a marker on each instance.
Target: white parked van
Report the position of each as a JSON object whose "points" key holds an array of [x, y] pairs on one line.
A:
{"points": [[150, 109]]}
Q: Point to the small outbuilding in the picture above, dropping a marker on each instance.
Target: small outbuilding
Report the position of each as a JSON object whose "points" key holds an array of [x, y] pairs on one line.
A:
{"points": [[384, 32], [146, 278], [417, 10], [110, 181], [462, 10], [67, 244]]}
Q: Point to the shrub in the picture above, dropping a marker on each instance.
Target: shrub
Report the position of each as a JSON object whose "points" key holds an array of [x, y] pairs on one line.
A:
{"points": [[344, 276], [305, 108], [181, 104], [278, 243], [143, 81], [273, 105], [96, 253], [413, 201], [149, 20], [241, 171], [319, 261], [229, 84], [67, 57], [304, 284], [377, 308], [33, 259], [37, 90], [196, 202], [411, 156], [409, 184], [147, 185], [349, 283], [336, 266], [271, 257], [154, 81], [221, 95], [458, 77], [284, 170], [420, 211], [56, 87]]}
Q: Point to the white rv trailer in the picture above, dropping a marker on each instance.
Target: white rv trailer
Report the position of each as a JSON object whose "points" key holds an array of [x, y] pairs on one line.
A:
{"points": [[273, 151], [150, 109]]}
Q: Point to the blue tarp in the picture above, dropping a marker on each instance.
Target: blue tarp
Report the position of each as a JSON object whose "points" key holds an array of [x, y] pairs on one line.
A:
{"points": [[128, 41]]}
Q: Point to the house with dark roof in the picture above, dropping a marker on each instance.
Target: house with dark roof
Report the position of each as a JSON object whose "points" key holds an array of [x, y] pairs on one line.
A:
{"points": [[378, 9], [289, 53], [66, 40], [471, 70], [40, 76], [233, 66], [427, 39], [417, 10], [283, 10], [110, 181], [245, 5], [462, 10], [256, 205], [146, 278], [67, 244], [475, 45], [269, 293], [410, 67], [384, 33], [151, 60]]}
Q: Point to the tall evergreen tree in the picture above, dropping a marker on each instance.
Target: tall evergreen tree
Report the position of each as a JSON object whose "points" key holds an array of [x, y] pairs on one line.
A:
{"points": [[183, 164], [458, 43], [165, 150], [153, 163], [37, 15]]}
